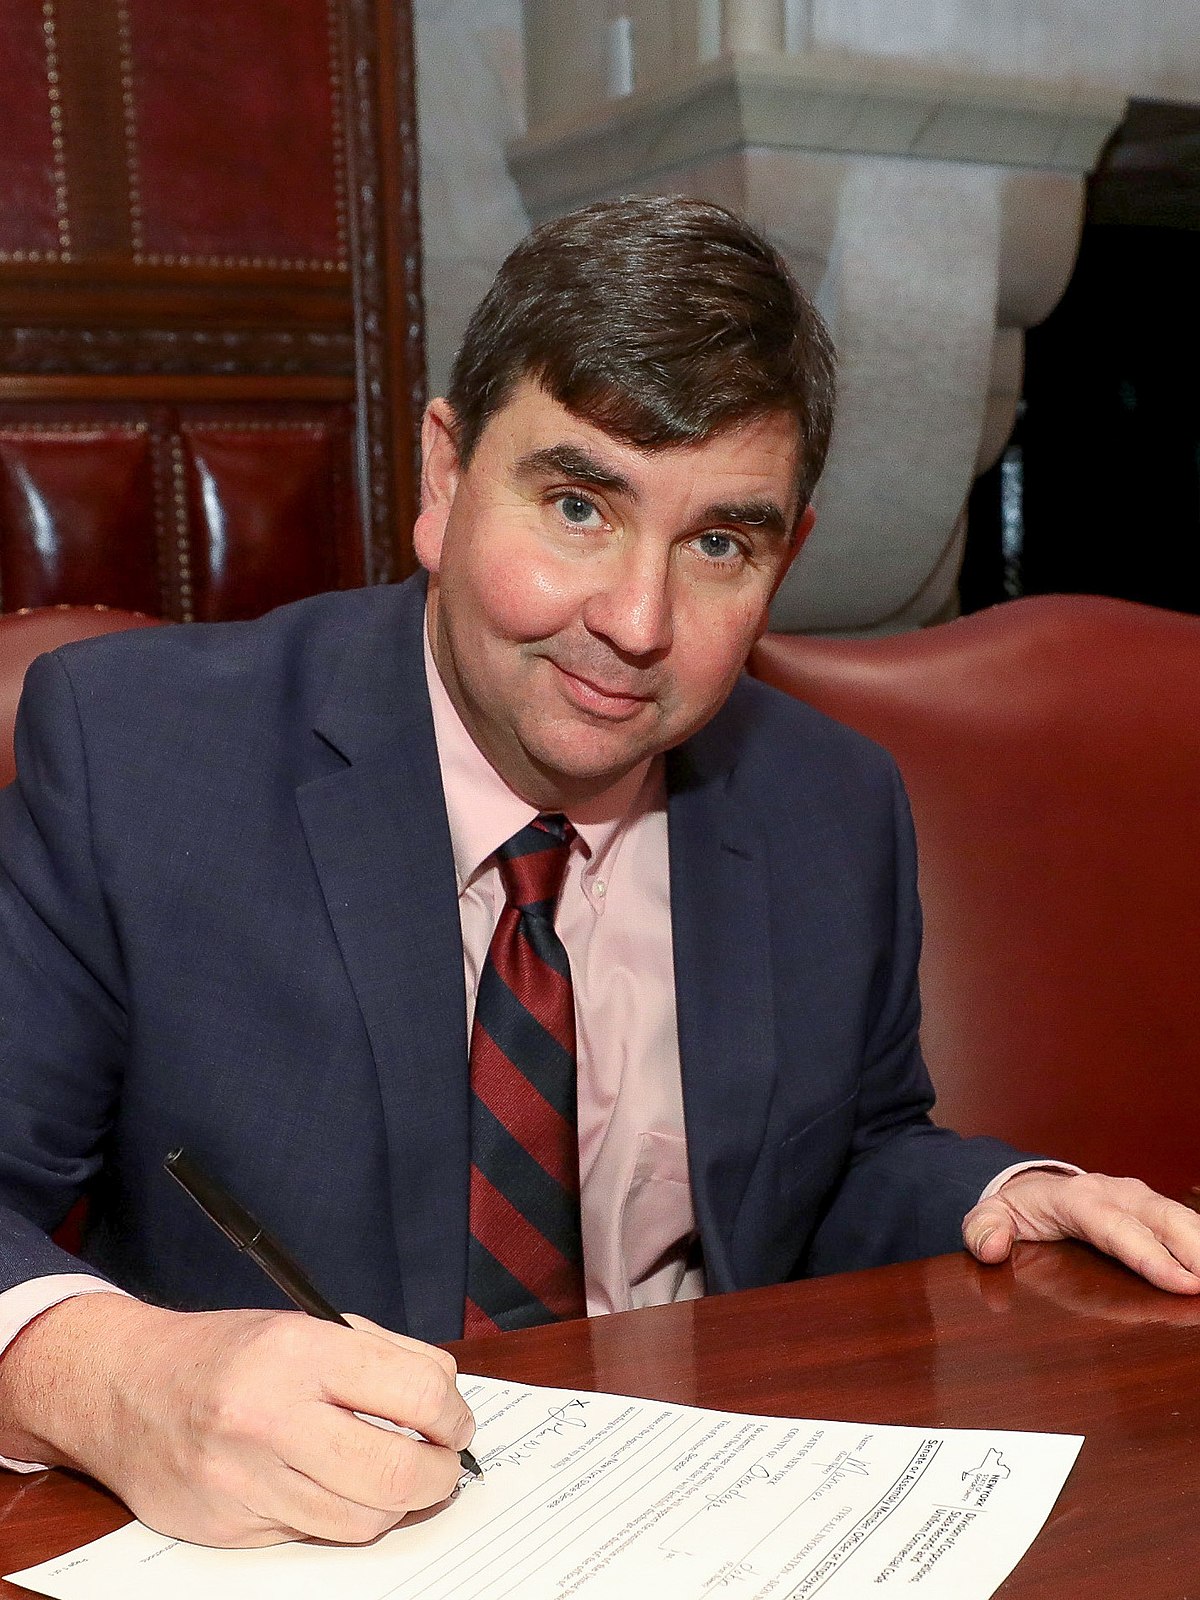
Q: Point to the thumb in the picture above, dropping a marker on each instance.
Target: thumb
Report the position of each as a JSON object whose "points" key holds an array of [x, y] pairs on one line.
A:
{"points": [[989, 1231]]}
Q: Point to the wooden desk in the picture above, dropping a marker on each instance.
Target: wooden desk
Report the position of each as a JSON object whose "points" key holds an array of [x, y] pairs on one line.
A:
{"points": [[1062, 1341]]}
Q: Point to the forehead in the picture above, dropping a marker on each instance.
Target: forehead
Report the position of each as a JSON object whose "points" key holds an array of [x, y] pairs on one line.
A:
{"points": [[760, 455]]}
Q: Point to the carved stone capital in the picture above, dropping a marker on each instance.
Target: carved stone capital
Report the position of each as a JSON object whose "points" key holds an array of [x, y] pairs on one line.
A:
{"points": [[827, 101], [933, 216]]}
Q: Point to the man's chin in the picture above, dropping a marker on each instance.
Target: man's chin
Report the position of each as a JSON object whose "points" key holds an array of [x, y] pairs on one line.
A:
{"points": [[575, 772]]}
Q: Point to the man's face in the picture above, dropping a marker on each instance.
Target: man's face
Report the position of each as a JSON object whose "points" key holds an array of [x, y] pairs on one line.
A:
{"points": [[592, 603]]}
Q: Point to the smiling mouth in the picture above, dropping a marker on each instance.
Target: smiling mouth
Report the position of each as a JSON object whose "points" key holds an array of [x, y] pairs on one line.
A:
{"points": [[616, 704]]}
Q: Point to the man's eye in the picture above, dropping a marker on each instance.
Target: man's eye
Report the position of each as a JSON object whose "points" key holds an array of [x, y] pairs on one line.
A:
{"points": [[721, 547], [576, 510]]}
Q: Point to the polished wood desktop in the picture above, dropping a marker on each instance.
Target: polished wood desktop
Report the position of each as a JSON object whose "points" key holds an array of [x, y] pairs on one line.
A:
{"points": [[1060, 1340]]}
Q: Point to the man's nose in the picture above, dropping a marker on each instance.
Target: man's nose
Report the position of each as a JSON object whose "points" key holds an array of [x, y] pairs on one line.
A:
{"points": [[631, 606]]}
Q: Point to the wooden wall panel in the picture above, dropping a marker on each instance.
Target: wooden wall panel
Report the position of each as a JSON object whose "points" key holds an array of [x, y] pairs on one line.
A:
{"points": [[249, 169], [212, 240], [33, 224]]}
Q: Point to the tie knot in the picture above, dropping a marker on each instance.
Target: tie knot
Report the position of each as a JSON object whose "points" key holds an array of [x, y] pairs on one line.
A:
{"points": [[533, 863]]}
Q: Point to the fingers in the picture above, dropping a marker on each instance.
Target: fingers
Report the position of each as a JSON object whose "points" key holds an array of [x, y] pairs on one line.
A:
{"points": [[1137, 1247], [341, 1478], [402, 1380], [279, 1505], [443, 1357], [376, 1470], [236, 1428], [989, 1231], [1179, 1230], [1156, 1237]]}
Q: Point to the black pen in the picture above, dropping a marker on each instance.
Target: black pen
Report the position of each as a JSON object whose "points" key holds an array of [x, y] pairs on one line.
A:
{"points": [[249, 1236]]}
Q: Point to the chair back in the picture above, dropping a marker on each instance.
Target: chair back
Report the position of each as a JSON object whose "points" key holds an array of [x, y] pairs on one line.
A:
{"points": [[26, 634], [1051, 749]]}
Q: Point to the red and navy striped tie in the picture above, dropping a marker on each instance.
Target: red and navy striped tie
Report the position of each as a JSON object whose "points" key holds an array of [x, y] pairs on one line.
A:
{"points": [[525, 1261]]}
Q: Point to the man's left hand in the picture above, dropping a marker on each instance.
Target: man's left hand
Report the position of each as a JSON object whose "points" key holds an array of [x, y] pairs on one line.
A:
{"points": [[1156, 1237]]}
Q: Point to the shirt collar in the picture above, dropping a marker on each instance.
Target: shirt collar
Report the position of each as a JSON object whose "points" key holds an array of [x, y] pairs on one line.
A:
{"points": [[484, 811]]}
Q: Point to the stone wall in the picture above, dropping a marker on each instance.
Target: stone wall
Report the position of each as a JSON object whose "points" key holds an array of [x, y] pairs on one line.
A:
{"points": [[922, 165], [470, 106]]}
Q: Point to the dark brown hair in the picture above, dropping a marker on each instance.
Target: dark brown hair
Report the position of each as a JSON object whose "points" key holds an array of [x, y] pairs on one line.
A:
{"points": [[660, 320]]}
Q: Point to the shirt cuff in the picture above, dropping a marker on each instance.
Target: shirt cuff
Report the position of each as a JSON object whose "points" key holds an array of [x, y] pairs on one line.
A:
{"points": [[19, 1306], [1002, 1178]]}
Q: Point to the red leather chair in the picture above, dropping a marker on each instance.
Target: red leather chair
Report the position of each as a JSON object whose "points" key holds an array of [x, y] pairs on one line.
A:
{"points": [[1051, 749], [26, 634]]}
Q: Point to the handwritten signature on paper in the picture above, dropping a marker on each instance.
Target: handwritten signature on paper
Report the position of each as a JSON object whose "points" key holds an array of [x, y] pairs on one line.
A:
{"points": [[558, 1420], [758, 1473], [731, 1572], [845, 1465]]}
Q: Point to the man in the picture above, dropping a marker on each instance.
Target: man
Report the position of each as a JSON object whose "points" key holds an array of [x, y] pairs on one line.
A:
{"points": [[230, 921]]}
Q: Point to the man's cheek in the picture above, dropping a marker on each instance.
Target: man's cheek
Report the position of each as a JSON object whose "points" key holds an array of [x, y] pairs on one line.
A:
{"points": [[530, 604], [715, 650]]}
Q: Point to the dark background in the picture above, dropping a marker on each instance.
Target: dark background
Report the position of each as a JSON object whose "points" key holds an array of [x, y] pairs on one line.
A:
{"points": [[1099, 489]]}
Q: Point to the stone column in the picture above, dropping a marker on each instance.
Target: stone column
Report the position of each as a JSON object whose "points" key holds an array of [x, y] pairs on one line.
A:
{"points": [[932, 212], [753, 25]]}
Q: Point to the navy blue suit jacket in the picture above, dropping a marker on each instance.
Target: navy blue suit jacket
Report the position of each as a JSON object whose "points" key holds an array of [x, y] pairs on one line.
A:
{"points": [[228, 921]]}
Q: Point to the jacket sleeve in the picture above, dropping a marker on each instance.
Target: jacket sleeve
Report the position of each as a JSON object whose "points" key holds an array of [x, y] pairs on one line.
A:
{"points": [[63, 1022], [908, 1183]]}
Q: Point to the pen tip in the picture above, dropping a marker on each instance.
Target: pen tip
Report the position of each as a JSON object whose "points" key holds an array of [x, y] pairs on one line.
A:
{"points": [[470, 1464]]}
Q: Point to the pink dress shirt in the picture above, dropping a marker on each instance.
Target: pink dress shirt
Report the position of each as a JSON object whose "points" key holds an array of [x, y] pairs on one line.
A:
{"points": [[614, 919]]}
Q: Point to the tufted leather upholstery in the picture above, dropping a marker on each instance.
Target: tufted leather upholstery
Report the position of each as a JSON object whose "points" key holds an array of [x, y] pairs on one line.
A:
{"points": [[1052, 755], [180, 511], [26, 634]]}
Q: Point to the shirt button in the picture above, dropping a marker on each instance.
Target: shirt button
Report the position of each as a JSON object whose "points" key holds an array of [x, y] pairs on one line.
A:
{"points": [[599, 888]]}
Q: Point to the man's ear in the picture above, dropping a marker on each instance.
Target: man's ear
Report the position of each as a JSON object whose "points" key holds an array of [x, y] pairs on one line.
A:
{"points": [[804, 526], [440, 474]]}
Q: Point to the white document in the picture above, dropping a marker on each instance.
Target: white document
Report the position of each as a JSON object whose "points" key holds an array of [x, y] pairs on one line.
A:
{"points": [[603, 1496]]}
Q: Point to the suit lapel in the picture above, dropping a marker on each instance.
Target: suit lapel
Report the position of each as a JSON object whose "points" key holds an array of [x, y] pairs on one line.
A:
{"points": [[720, 912], [380, 843], [377, 830]]}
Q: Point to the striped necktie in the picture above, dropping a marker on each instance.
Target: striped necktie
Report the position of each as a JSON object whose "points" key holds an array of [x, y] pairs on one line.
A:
{"points": [[525, 1261]]}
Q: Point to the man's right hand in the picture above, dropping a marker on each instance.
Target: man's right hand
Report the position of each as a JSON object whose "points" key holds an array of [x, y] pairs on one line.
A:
{"points": [[235, 1428]]}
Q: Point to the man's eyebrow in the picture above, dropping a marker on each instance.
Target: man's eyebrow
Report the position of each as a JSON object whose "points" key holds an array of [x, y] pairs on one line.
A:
{"points": [[574, 462], [750, 514]]}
